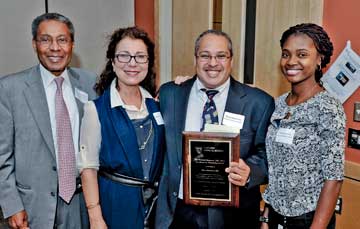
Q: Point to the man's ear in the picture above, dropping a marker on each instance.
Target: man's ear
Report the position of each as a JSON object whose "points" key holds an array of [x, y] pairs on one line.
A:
{"points": [[34, 45], [194, 61]]}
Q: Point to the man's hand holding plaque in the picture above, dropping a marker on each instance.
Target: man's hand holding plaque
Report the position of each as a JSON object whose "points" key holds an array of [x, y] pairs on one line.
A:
{"points": [[238, 173]]}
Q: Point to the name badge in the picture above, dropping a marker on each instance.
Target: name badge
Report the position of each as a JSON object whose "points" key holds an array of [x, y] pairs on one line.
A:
{"points": [[80, 95], [158, 118], [234, 120], [285, 135]]}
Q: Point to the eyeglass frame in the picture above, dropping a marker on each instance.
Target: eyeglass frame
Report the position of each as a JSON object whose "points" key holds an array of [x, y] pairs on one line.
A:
{"points": [[131, 57], [216, 57], [50, 40]]}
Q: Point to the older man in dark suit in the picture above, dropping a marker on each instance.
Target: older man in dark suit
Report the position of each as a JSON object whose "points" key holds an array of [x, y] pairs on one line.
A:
{"points": [[40, 112], [182, 107]]}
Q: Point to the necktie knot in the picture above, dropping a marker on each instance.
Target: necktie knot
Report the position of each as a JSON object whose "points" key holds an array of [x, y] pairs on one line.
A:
{"points": [[210, 93], [59, 81]]}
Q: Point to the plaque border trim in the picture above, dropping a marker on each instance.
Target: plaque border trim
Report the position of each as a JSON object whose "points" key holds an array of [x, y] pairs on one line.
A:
{"points": [[234, 140]]}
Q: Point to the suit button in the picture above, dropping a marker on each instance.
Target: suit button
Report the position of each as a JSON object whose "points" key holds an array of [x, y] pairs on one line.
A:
{"points": [[175, 194], [52, 193], [179, 167], [54, 168]]}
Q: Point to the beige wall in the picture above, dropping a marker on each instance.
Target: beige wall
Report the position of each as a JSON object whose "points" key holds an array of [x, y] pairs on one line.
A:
{"points": [[272, 19], [190, 18], [93, 21], [233, 23], [16, 52]]}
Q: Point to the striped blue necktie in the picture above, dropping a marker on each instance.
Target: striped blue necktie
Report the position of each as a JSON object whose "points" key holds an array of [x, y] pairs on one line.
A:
{"points": [[209, 114]]}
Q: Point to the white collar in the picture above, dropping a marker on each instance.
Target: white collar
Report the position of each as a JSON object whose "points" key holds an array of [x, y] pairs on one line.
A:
{"points": [[115, 99], [199, 85], [48, 78]]}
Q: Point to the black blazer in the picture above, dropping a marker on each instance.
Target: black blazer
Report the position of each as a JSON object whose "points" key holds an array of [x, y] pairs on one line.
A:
{"points": [[257, 107]]}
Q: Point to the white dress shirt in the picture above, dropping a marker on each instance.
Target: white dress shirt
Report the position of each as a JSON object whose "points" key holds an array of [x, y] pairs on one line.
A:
{"points": [[50, 87], [197, 100], [90, 136]]}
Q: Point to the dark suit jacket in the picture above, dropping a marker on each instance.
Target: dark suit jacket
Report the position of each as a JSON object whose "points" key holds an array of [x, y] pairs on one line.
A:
{"points": [[28, 171], [253, 103]]}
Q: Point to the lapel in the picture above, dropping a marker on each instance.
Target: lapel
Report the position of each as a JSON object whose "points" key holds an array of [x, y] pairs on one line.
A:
{"points": [[153, 107], [180, 101], [75, 83], [36, 98], [236, 96], [127, 138]]}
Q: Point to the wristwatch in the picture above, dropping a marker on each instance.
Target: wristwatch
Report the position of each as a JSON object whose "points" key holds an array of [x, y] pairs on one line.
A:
{"points": [[264, 219]]}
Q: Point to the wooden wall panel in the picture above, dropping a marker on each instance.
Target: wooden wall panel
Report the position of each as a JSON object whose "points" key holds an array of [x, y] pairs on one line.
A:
{"points": [[233, 23], [190, 18], [163, 39], [352, 170], [272, 19], [349, 217]]}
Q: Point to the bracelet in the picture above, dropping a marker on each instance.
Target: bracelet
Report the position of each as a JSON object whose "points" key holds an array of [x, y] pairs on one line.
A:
{"points": [[91, 206], [264, 219]]}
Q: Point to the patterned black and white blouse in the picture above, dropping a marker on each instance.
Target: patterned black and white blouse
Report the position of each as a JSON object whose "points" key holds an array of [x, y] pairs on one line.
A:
{"points": [[303, 151]]}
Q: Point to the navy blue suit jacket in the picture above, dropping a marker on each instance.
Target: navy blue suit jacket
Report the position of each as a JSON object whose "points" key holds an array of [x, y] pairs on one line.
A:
{"points": [[257, 107]]}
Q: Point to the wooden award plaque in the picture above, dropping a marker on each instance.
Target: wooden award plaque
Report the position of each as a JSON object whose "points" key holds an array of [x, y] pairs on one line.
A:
{"points": [[205, 157]]}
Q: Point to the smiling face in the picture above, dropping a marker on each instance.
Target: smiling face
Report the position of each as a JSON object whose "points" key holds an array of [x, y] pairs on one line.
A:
{"points": [[131, 73], [53, 46], [214, 72], [299, 59]]}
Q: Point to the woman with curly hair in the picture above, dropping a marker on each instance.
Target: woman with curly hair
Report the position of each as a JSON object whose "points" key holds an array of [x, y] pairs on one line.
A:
{"points": [[305, 139], [122, 135]]}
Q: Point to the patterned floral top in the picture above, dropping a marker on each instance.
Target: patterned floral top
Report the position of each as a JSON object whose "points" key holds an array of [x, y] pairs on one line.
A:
{"points": [[298, 170]]}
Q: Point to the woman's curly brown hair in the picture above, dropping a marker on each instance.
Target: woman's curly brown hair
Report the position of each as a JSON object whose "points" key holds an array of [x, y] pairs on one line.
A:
{"points": [[108, 74]]}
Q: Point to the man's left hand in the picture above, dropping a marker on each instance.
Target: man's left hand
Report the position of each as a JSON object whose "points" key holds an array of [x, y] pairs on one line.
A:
{"points": [[238, 173]]}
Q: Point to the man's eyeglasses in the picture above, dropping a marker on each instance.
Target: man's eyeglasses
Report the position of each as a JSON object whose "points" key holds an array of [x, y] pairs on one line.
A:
{"points": [[221, 57], [46, 41], [126, 58]]}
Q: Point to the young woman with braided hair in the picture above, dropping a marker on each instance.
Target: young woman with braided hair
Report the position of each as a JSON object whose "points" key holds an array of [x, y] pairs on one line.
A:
{"points": [[305, 139]]}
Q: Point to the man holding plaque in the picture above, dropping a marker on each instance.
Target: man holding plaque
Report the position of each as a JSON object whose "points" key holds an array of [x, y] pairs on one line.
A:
{"points": [[213, 96]]}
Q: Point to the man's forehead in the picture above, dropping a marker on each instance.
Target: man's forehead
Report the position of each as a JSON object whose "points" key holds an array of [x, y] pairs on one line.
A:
{"points": [[211, 40]]}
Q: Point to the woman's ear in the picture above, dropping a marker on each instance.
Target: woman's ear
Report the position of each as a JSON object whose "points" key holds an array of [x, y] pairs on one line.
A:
{"points": [[320, 59]]}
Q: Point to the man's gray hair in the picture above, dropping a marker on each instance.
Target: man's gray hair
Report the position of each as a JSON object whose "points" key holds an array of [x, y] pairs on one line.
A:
{"points": [[52, 16], [215, 32]]}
